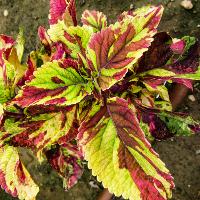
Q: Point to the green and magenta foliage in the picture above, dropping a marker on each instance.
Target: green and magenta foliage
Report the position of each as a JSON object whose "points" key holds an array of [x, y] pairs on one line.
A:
{"points": [[97, 92]]}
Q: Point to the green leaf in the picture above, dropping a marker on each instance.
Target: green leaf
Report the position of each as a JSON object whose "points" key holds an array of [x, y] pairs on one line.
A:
{"points": [[20, 44], [119, 154], [158, 72], [179, 125], [189, 41]]}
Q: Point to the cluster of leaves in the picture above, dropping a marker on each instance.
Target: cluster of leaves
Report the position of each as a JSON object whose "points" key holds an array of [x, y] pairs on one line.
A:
{"points": [[95, 92]]}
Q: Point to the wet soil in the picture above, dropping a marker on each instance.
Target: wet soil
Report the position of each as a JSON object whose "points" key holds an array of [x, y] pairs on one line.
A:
{"points": [[181, 155]]}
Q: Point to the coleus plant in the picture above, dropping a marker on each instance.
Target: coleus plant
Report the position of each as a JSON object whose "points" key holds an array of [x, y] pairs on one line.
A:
{"points": [[95, 92]]}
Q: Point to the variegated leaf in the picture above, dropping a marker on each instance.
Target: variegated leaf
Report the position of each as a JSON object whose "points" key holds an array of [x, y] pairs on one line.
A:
{"points": [[43, 127], [44, 37], [75, 38], [6, 72], [67, 161], [97, 20], [14, 178], [140, 12], [177, 62], [119, 154], [11, 69], [6, 42], [163, 125], [115, 49], [54, 50], [63, 10], [188, 64], [1, 113], [53, 83], [34, 61]]}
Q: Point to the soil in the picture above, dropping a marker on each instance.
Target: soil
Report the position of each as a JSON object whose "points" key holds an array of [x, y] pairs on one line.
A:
{"points": [[181, 155]]}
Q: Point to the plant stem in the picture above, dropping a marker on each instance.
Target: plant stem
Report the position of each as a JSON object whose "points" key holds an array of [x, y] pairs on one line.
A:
{"points": [[105, 195], [177, 94]]}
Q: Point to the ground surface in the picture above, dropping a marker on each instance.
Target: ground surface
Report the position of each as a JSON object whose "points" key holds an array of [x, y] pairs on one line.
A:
{"points": [[180, 154]]}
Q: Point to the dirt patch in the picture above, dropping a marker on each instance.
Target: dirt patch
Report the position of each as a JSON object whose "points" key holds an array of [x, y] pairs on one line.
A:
{"points": [[180, 154]]}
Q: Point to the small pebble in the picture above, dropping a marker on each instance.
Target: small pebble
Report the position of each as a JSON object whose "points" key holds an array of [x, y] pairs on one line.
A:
{"points": [[198, 152], [5, 13], [191, 98], [187, 4], [93, 185], [172, 139], [189, 186], [131, 6], [82, 2], [198, 26]]}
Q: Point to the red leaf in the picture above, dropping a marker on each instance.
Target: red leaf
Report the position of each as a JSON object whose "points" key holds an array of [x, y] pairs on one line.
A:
{"points": [[158, 53]]}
